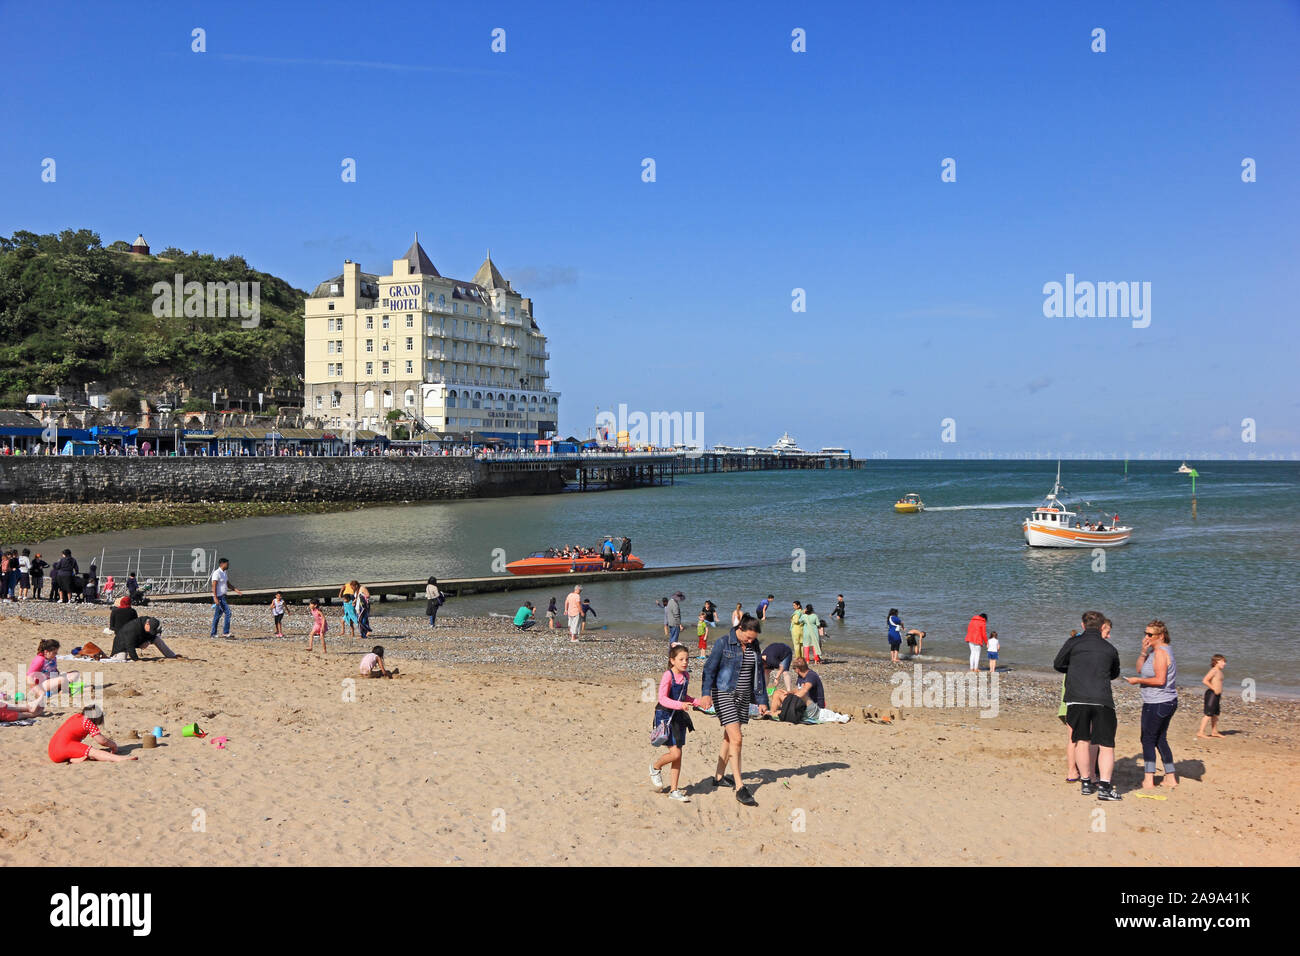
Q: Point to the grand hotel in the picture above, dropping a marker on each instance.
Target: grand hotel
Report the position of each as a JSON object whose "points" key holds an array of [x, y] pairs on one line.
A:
{"points": [[452, 356]]}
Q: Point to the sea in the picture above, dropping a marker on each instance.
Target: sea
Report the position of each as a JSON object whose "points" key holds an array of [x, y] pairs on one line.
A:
{"points": [[1224, 579]]}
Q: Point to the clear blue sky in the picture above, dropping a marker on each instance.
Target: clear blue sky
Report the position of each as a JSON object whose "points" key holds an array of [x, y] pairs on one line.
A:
{"points": [[775, 170]]}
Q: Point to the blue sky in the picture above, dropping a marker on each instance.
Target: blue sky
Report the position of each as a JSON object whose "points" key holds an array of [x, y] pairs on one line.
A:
{"points": [[775, 170]]}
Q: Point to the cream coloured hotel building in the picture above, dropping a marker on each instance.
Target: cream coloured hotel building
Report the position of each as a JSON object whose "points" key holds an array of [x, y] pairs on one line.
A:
{"points": [[453, 356]]}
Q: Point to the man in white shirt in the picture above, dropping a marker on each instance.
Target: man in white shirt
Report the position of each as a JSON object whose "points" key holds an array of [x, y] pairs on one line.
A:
{"points": [[220, 585]]}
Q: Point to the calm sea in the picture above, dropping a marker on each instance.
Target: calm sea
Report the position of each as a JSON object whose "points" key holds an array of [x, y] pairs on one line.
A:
{"points": [[1225, 581]]}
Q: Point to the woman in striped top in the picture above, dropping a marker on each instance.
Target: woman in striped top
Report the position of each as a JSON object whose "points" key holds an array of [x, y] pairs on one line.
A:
{"points": [[733, 677]]}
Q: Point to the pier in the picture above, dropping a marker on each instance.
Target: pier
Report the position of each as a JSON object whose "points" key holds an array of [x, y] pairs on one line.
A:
{"points": [[453, 587]]}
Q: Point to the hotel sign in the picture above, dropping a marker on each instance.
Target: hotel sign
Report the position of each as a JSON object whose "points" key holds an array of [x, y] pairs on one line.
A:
{"points": [[402, 298]]}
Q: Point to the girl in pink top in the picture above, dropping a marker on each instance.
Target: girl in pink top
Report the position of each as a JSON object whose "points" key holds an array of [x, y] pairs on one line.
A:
{"points": [[318, 626], [672, 704], [43, 672]]}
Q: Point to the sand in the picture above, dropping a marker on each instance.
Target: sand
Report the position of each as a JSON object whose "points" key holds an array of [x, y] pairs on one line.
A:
{"points": [[498, 748]]}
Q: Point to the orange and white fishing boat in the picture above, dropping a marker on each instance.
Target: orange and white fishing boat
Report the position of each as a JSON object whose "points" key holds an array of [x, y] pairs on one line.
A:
{"points": [[1054, 524]]}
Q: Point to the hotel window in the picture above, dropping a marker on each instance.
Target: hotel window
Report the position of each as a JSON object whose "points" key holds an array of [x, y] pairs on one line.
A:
{"points": [[442, 300], [409, 399], [480, 310], [370, 345], [388, 399], [451, 399], [383, 368], [385, 321], [331, 306], [410, 321], [320, 401], [512, 312], [370, 321], [410, 367], [370, 368], [329, 347], [410, 344], [338, 347], [336, 399], [369, 400], [384, 347]]}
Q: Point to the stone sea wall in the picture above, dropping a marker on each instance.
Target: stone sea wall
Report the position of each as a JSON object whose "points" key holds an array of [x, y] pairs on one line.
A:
{"points": [[102, 479]]}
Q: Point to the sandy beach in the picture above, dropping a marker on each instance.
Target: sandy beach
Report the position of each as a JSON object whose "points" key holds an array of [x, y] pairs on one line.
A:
{"points": [[494, 747]]}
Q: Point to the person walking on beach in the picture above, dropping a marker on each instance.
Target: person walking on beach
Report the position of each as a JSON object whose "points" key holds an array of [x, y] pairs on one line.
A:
{"points": [[1089, 663], [349, 595], [732, 679], [977, 636], [432, 600], [1158, 679], [812, 624], [220, 587], [673, 616], [278, 609], [573, 611], [796, 627], [362, 602], [319, 626], [1213, 682], [671, 709], [894, 627]]}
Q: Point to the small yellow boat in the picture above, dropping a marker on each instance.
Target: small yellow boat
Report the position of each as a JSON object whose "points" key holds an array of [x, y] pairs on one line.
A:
{"points": [[909, 504]]}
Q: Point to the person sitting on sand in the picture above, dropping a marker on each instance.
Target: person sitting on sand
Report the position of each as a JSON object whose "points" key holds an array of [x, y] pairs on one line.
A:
{"points": [[524, 616], [43, 675], [1213, 682], [796, 709], [68, 746], [11, 710], [372, 664], [121, 613], [318, 626], [137, 634]]}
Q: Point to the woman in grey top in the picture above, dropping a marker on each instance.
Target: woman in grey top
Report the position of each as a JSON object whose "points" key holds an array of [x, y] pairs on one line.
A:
{"points": [[1159, 685]]}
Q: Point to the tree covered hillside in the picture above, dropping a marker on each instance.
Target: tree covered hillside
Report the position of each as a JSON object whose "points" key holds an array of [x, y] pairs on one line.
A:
{"points": [[73, 311]]}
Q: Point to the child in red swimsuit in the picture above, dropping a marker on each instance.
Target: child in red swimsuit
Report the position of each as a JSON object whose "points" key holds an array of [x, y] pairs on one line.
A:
{"points": [[67, 745]]}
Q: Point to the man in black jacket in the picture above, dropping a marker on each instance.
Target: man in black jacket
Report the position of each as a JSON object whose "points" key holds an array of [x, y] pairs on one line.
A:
{"points": [[1089, 663], [136, 634]]}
